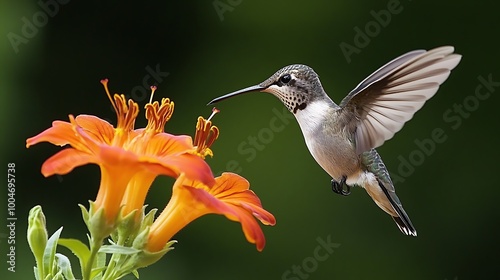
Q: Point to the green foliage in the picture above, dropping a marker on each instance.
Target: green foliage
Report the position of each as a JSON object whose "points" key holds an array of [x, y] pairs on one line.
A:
{"points": [[78, 248], [126, 248]]}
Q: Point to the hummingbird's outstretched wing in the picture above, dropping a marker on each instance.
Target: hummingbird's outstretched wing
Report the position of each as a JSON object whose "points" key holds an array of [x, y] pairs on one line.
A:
{"points": [[390, 96]]}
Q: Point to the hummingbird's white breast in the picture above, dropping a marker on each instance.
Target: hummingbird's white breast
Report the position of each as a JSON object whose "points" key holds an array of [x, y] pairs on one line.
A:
{"points": [[312, 117], [330, 148]]}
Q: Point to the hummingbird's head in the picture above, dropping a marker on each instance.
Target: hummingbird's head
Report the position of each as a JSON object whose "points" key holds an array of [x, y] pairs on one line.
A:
{"points": [[295, 85]]}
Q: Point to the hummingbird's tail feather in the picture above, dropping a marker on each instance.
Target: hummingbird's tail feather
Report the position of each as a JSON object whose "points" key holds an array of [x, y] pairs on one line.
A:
{"points": [[403, 227], [379, 186], [387, 200], [402, 220]]}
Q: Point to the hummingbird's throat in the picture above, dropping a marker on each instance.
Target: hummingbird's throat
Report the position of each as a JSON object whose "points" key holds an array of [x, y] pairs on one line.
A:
{"points": [[294, 100], [300, 106]]}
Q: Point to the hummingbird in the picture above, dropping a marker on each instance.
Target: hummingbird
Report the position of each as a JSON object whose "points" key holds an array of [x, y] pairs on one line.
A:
{"points": [[343, 138]]}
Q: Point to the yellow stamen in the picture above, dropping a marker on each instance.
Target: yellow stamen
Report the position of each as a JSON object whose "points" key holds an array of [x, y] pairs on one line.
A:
{"points": [[214, 111], [104, 82], [153, 89], [158, 114], [127, 113], [205, 135]]}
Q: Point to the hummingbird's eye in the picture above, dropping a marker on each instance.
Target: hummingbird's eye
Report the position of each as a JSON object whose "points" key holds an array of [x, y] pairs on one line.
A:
{"points": [[285, 78]]}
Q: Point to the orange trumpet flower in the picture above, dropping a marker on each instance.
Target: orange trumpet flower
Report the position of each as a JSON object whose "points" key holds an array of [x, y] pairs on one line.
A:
{"points": [[129, 159]]}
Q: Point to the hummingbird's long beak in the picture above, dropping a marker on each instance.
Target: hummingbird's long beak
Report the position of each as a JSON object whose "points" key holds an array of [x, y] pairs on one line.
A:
{"points": [[241, 91]]}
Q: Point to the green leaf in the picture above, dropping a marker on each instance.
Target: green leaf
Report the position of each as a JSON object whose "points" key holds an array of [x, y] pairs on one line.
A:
{"points": [[149, 218], [127, 227], [117, 249], [58, 276], [65, 266], [85, 213], [122, 275], [36, 273], [100, 265], [101, 259], [50, 252], [78, 248], [169, 245], [96, 273]]}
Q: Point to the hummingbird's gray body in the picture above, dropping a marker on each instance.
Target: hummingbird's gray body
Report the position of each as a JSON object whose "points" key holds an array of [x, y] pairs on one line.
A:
{"points": [[342, 138]]}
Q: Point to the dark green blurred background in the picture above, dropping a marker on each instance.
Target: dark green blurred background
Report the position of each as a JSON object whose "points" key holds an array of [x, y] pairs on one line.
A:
{"points": [[451, 197]]}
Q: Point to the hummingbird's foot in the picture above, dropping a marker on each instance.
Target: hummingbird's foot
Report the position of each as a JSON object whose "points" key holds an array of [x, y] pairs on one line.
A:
{"points": [[341, 188]]}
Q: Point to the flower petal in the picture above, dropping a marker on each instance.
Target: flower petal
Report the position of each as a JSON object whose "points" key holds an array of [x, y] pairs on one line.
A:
{"points": [[114, 181], [230, 196], [65, 161], [97, 128], [167, 144], [117, 156], [136, 191], [194, 167], [250, 227], [180, 211], [60, 134], [230, 183], [234, 189]]}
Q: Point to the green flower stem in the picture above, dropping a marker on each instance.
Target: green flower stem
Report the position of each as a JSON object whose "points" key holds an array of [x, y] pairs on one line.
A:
{"points": [[95, 245], [115, 258], [112, 271], [109, 274], [39, 266]]}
